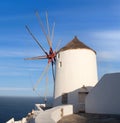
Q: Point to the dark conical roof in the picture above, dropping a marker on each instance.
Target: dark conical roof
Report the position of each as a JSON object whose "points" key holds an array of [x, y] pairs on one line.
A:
{"points": [[75, 44]]}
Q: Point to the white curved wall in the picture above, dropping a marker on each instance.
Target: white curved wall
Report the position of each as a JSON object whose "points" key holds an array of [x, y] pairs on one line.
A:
{"points": [[78, 68]]}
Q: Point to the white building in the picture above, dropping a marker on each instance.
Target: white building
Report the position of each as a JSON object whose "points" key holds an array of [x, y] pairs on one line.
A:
{"points": [[75, 68], [104, 97]]}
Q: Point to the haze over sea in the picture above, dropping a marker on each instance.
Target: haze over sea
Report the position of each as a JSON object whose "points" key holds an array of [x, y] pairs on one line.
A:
{"points": [[18, 107]]}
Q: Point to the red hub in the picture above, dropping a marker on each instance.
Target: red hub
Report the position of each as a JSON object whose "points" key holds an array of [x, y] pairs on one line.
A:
{"points": [[51, 56]]}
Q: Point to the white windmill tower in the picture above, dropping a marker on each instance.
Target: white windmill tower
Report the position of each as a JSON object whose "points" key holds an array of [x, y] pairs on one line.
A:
{"points": [[75, 68]]}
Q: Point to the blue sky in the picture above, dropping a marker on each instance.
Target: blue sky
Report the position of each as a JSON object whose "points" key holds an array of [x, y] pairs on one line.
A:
{"points": [[94, 22]]}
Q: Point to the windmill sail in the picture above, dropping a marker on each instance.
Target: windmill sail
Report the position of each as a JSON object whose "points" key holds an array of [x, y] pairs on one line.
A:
{"points": [[51, 55]]}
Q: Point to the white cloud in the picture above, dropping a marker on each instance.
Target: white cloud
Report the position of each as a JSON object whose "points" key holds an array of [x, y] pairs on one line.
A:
{"points": [[104, 56], [19, 53], [14, 89], [15, 17], [108, 56], [107, 34], [107, 43]]}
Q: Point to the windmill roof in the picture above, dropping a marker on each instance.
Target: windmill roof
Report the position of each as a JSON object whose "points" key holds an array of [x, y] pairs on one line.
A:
{"points": [[75, 44]]}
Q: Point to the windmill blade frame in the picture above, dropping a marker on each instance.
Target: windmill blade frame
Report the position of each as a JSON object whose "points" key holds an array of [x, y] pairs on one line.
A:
{"points": [[50, 55], [52, 37], [35, 39], [48, 28], [43, 29], [37, 58], [46, 90], [42, 75]]}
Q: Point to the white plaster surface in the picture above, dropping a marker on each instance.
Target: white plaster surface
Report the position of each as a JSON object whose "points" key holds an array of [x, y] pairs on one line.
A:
{"points": [[78, 69], [104, 97], [54, 114]]}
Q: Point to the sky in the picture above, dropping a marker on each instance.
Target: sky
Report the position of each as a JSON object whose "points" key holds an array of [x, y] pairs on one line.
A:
{"points": [[94, 22]]}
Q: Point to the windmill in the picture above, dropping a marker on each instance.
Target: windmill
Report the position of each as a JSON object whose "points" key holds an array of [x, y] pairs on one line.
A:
{"points": [[51, 55]]}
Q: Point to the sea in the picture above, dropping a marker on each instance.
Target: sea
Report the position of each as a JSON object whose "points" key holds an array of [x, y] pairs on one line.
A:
{"points": [[19, 107]]}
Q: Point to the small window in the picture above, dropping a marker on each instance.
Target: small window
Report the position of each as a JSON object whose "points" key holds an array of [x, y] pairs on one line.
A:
{"points": [[58, 55], [65, 98], [60, 64]]}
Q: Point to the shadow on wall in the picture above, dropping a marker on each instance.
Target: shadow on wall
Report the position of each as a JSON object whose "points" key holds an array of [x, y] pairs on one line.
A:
{"points": [[104, 97], [76, 98]]}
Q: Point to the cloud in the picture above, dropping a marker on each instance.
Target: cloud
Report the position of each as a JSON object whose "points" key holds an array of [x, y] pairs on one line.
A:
{"points": [[5, 53], [14, 89], [16, 17], [23, 71], [108, 56], [107, 43], [12, 73], [107, 35], [19, 52], [104, 56]]}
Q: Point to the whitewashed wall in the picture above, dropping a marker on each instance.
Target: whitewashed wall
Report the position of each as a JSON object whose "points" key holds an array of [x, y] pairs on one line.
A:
{"points": [[105, 96], [78, 68]]}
